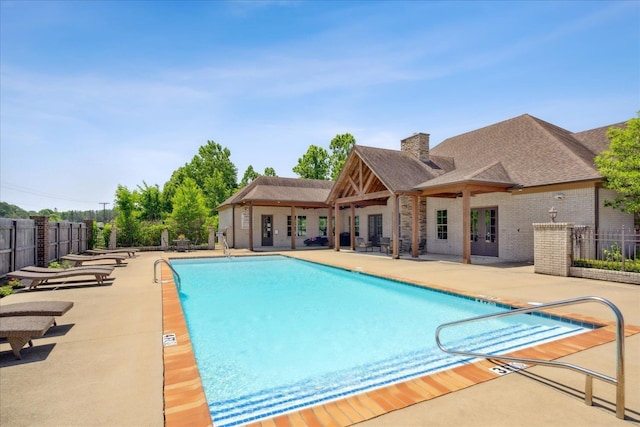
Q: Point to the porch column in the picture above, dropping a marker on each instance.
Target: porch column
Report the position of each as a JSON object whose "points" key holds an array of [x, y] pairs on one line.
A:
{"points": [[294, 227], [352, 228], [337, 236], [251, 226], [330, 237], [466, 226], [394, 232], [415, 201]]}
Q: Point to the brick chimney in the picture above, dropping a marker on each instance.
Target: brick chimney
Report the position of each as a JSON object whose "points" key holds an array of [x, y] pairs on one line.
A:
{"points": [[417, 145]]}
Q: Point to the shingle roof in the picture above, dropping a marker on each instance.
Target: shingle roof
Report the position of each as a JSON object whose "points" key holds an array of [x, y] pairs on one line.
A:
{"points": [[596, 139], [399, 171], [283, 190], [493, 173], [531, 151]]}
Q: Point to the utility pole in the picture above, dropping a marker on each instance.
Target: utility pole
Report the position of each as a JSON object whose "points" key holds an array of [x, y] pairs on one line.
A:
{"points": [[104, 211]]}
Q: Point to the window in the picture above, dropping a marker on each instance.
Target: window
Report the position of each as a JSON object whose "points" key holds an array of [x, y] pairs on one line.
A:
{"points": [[375, 226], [322, 225], [301, 226], [441, 221], [357, 224]]}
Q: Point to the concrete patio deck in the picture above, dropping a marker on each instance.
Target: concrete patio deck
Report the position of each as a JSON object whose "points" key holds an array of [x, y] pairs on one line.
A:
{"points": [[102, 365]]}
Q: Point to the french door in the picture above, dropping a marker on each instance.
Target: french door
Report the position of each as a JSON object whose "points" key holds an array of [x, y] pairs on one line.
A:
{"points": [[484, 231]]}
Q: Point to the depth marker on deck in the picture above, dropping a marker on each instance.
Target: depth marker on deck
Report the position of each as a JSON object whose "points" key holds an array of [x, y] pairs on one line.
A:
{"points": [[169, 339]]}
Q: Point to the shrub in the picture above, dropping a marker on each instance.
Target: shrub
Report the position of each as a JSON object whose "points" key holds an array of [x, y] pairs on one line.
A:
{"points": [[15, 284], [630, 265], [6, 290], [60, 264], [150, 233], [106, 235]]}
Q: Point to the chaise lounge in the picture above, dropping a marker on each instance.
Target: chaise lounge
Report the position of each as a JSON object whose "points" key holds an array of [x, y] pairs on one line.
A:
{"points": [[36, 308], [107, 268], [38, 278], [77, 260], [131, 252], [19, 330]]}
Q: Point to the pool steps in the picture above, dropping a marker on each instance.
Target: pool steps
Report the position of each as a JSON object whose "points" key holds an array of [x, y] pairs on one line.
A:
{"points": [[272, 402]]}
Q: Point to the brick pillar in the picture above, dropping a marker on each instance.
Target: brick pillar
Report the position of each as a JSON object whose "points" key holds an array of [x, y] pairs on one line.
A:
{"points": [[552, 248], [42, 240]]}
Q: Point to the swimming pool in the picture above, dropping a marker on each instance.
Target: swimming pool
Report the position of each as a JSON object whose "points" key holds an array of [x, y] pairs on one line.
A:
{"points": [[273, 334]]}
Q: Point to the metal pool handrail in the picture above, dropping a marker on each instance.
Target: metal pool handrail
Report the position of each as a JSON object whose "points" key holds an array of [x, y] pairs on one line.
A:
{"points": [[155, 279], [227, 251], [588, 393]]}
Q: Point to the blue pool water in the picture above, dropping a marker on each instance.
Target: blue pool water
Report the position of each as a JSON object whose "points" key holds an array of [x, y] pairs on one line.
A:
{"points": [[273, 334]]}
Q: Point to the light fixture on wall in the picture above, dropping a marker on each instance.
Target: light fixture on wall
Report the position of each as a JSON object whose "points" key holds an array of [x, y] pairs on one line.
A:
{"points": [[553, 213], [558, 196]]}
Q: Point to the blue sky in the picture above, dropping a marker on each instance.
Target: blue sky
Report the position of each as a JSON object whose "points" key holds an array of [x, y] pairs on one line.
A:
{"points": [[95, 94]]}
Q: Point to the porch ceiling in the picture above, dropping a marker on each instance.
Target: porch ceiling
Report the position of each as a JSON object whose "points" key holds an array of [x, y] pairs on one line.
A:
{"points": [[454, 190]]}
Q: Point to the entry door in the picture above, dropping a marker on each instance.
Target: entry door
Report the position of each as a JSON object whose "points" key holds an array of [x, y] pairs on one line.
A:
{"points": [[484, 231], [267, 235], [375, 227]]}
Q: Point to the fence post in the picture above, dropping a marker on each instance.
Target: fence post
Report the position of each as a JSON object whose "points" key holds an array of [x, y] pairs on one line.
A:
{"points": [[623, 244]]}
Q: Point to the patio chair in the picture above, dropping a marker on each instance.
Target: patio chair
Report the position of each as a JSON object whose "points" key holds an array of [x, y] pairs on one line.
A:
{"points": [[19, 330], [385, 244], [36, 308], [77, 260], [38, 278], [361, 243]]}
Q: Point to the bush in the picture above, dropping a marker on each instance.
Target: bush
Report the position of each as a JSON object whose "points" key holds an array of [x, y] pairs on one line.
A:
{"points": [[6, 290], [630, 265], [106, 235], [150, 233], [61, 264]]}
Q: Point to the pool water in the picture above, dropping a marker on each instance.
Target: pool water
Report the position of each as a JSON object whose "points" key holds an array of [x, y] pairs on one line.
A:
{"points": [[273, 334]]}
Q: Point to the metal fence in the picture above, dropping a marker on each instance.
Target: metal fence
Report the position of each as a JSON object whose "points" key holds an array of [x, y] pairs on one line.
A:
{"points": [[614, 249]]}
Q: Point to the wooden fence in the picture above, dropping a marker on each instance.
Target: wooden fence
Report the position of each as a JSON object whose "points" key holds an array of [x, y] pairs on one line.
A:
{"points": [[23, 244]]}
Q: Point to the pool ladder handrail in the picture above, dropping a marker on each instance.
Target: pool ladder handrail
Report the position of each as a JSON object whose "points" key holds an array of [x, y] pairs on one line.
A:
{"points": [[588, 394], [155, 278], [227, 251]]}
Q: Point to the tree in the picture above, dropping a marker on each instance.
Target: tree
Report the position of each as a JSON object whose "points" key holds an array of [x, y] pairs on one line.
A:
{"points": [[269, 171], [314, 164], [249, 175], [213, 159], [340, 147], [189, 210], [620, 166], [126, 219], [150, 202]]}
